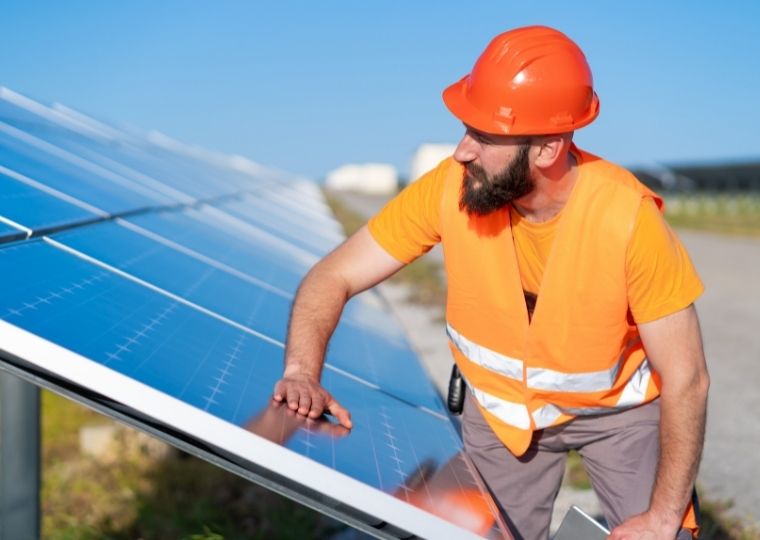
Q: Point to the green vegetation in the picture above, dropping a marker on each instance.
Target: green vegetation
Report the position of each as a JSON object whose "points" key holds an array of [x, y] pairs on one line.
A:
{"points": [[350, 220], [719, 524], [424, 276], [138, 487], [575, 474], [725, 213]]}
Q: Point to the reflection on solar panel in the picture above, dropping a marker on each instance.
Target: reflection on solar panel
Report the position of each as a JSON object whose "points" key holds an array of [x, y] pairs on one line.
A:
{"points": [[153, 282]]}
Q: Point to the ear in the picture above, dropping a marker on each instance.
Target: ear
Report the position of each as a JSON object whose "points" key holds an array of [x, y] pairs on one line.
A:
{"points": [[549, 150]]}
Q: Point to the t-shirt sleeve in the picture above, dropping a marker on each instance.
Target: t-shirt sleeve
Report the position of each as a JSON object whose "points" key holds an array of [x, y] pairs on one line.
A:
{"points": [[409, 224], [661, 277]]}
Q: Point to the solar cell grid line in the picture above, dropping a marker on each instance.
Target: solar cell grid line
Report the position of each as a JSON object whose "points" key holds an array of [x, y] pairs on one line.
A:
{"points": [[17, 108], [193, 230], [68, 178], [198, 169], [308, 205], [229, 253], [277, 222], [203, 258], [112, 148], [260, 202], [237, 169], [55, 128], [310, 195], [293, 210], [278, 235], [266, 314], [36, 211], [38, 152], [184, 275], [53, 192], [66, 135], [153, 354], [110, 158]]}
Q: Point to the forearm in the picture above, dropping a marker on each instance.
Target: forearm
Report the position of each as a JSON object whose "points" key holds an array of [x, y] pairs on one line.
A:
{"points": [[682, 429], [356, 265], [314, 316]]}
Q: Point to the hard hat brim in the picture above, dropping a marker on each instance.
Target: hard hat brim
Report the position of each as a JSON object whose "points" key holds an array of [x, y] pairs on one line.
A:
{"points": [[456, 100]]}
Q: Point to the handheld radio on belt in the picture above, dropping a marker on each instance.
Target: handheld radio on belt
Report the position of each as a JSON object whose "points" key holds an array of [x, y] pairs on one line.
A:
{"points": [[457, 388]]}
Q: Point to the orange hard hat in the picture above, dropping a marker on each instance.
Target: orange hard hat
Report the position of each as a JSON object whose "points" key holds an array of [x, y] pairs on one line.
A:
{"points": [[529, 81]]}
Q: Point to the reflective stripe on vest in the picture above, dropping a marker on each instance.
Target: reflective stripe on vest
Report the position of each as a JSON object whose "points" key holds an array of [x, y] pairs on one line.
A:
{"points": [[591, 381], [513, 414], [486, 358], [516, 414], [634, 393], [538, 378]]}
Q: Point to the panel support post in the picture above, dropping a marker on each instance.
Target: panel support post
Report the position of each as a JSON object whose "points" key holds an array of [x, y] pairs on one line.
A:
{"points": [[19, 459]]}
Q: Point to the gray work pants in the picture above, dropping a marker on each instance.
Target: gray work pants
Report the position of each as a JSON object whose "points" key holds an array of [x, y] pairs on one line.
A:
{"points": [[619, 451]]}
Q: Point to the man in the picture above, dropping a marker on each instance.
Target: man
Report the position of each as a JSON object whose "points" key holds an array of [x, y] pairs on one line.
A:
{"points": [[570, 301]]}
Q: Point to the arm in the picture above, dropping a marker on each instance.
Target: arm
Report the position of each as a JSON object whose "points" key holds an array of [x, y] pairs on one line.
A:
{"points": [[354, 266], [674, 348]]}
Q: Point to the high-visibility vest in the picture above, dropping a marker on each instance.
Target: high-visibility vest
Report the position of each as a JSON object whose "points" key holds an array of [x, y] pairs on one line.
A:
{"points": [[580, 353]]}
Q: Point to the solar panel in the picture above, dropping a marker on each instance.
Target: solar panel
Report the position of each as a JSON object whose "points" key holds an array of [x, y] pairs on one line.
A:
{"points": [[153, 282], [39, 211]]}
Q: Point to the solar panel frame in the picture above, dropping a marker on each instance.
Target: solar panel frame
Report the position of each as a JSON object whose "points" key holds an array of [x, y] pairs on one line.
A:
{"points": [[51, 366]]}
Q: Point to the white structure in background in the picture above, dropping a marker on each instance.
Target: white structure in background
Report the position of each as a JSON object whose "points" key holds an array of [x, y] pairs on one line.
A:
{"points": [[426, 157], [371, 178]]}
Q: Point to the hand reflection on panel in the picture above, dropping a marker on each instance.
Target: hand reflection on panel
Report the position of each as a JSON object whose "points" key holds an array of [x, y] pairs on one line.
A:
{"points": [[277, 423], [452, 493]]}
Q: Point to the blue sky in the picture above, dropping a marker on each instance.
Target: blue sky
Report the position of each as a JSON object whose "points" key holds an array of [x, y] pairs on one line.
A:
{"points": [[308, 86]]}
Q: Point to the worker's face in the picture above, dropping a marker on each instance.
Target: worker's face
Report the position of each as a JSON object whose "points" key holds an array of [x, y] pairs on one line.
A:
{"points": [[488, 183]]}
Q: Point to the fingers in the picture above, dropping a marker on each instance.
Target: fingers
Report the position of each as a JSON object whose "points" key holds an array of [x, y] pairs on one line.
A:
{"points": [[304, 403], [309, 399], [337, 410]]}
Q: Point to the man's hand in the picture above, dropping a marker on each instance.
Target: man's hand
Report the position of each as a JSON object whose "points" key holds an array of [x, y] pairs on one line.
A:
{"points": [[307, 397], [646, 526]]}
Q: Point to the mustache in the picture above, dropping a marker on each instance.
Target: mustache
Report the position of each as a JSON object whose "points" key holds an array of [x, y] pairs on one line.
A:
{"points": [[475, 172]]}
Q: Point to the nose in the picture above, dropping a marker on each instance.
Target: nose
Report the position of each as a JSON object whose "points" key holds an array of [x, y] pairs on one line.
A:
{"points": [[466, 150]]}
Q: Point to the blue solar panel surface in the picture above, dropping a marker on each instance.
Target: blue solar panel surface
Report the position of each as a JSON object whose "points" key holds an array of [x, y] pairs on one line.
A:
{"points": [[176, 269], [35, 209], [62, 172]]}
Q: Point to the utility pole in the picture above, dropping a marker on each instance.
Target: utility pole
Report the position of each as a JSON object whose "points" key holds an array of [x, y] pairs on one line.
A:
{"points": [[19, 459]]}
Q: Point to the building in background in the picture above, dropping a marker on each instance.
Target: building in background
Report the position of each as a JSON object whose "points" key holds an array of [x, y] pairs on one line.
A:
{"points": [[370, 178], [426, 157]]}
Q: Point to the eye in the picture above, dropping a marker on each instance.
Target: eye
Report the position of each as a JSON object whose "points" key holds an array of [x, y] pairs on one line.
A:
{"points": [[479, 137]]}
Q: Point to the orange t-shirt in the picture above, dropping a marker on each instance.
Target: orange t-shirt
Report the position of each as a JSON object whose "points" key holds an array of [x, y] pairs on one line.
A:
{"points": [[660, 276]]}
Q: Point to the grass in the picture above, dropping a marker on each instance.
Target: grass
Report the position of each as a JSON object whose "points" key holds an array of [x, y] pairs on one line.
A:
{"points": [[735, 214], [140, 488]]}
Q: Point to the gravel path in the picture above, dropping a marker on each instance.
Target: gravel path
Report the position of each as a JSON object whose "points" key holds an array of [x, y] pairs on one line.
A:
{"points": [[730, 317]]}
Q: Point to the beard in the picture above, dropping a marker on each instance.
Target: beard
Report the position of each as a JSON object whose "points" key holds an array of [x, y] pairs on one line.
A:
{"points": [[482, 195]]}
